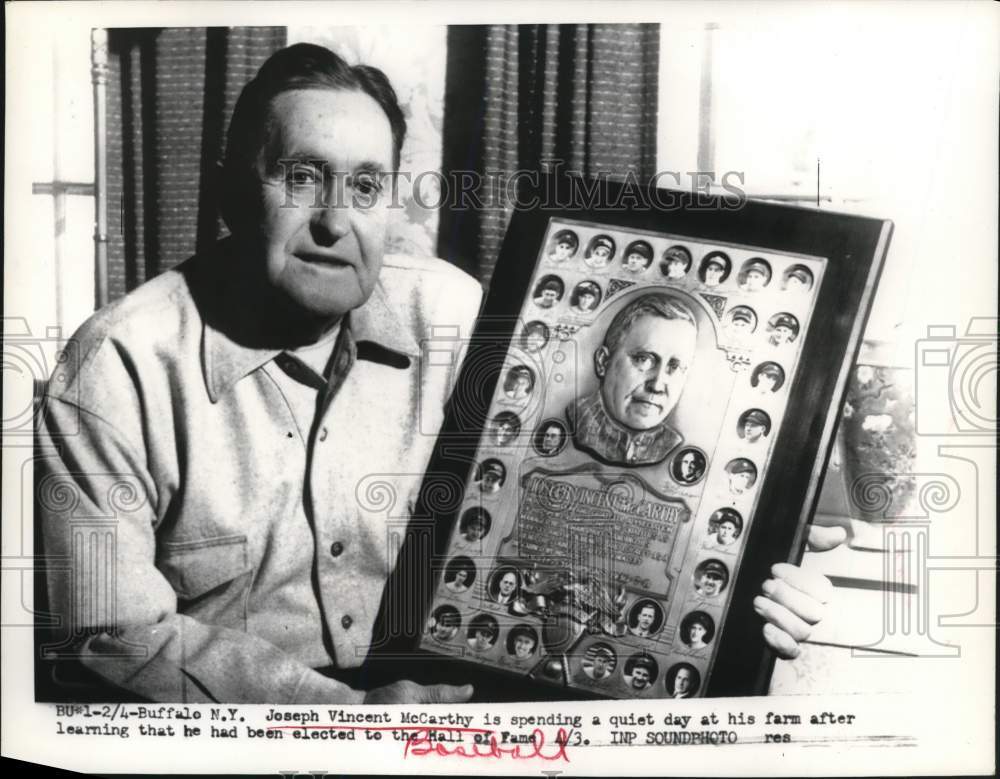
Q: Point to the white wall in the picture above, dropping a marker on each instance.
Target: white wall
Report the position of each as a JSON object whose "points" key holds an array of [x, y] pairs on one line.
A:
{"points": [[900, 107], [56, 143]]}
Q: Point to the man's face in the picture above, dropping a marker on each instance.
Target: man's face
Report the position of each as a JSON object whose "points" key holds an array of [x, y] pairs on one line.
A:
{"points": [[752, 431], [640, 678], [689, 466], [726, 533], [738, 482], [710, 585], [548, 297], [713, 274], [696, 633], [491, 480], [646, 618], [482, 639], [475, 530], [766, 382], [534, 340], [324, 260], [755, 280], [740, 324], [521, 385], [795, 284], [600, 666], [508, 583], [563, 250], [551, 439], [682, 681], [782, 334], [587, 300], [504, 431], [644, 377], [443, 631], [523, 646], [601, 254], [675, 268], [635, 262]]}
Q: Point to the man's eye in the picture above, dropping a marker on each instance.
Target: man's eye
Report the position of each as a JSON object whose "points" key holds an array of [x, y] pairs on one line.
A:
{"points": [[643, 361], [367, 183], [674, 365], [301, 176]]}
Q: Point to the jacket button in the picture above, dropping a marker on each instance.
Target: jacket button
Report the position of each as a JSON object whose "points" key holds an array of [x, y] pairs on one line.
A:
{"points": [[346, 621], [336, 548], [323, 434]]}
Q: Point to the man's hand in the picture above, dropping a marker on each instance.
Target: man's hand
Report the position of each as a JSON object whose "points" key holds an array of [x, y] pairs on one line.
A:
{"points": [[795, 600], [411, 692]]}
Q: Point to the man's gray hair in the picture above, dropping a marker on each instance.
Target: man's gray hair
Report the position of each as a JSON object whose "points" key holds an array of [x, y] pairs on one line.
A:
{"points": [[653, 304]]}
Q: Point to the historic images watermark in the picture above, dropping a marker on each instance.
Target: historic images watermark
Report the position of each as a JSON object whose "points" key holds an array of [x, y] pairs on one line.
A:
{"points": [[314, 183]]}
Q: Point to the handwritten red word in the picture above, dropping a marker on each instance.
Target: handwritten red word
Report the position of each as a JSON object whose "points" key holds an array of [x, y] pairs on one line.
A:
{"points": [[422, 744]]}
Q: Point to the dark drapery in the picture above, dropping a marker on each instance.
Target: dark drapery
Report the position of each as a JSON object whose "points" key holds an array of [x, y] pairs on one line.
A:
{"points": [[517, 96], [171, 92]]}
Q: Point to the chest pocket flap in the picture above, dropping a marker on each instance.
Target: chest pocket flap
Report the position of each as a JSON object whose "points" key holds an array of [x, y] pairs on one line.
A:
{"points": [[194, 568]]}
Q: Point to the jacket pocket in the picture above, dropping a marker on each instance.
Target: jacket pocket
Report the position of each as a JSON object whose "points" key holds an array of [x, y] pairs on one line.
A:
{"points": [[211, 577]]}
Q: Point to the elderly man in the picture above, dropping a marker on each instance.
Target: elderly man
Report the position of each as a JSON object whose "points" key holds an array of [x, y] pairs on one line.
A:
{"points": [[238, 402], [200, 468], [642, 366]]}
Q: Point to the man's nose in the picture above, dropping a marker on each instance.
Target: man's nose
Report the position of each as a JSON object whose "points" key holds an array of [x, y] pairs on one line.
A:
{"points": [[659, 379], [331, 222]]}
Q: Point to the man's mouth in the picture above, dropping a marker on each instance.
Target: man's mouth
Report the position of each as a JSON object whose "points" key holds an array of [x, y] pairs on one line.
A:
{"points": [[645, 406], [329, 260]]}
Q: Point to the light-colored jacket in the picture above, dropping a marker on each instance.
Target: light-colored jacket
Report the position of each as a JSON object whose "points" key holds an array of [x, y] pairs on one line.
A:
{"points": [[206, 542]]}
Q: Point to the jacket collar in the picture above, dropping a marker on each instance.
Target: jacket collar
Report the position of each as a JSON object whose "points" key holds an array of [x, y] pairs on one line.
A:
{"points": [[233, 345], [595, 431]]}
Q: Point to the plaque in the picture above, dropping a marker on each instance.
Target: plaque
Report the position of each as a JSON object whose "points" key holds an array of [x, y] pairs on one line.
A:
{"points": [[637, 434]]}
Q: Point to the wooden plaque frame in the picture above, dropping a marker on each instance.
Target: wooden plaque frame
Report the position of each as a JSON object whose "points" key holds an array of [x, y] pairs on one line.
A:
{"points": [[843, 255]]}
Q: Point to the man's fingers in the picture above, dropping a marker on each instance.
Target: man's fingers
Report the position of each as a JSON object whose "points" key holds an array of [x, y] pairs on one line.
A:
{"points": [[822, 539], [781, 617], [781, 642], [813, 584], [406, 691], [800, 604], [447, 693]]}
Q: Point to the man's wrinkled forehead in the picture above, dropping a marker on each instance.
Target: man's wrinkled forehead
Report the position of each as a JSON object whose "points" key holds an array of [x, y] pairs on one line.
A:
{"points": [[631, 332], [344, 128]]}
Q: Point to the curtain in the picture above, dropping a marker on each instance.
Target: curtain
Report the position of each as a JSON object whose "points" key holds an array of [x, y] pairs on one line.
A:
{"points": [[171, 92], [520, 96]]}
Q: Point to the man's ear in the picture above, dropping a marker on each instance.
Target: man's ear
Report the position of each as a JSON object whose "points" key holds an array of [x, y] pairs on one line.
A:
{"points": [[601, 361]]}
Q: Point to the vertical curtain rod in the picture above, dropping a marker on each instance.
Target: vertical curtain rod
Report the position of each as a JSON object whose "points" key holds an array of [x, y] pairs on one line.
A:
{"points": [[99, 72], [706, 130]]}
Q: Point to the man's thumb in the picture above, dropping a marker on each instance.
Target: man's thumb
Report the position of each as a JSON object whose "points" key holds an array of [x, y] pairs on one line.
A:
{"points": [[447, 693]]}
